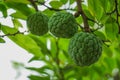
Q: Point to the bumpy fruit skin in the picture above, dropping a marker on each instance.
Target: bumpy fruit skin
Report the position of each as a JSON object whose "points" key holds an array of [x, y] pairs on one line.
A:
{"points": [[62, 24], [37, 23], [85, 48]]}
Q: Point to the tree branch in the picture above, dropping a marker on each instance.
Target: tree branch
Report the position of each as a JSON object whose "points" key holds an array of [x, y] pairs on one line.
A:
{"points": [[18, 32], [84, 17], [34, 5], [53, 9], [100, 25]]}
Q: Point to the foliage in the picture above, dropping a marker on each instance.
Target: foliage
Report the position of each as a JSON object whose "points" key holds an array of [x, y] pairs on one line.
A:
{"points": [[103, 18]]}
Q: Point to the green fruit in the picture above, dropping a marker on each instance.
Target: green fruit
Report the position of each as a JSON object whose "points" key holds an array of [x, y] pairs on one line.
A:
{"points": [[37, 23], [85, 48], [62, 24]]}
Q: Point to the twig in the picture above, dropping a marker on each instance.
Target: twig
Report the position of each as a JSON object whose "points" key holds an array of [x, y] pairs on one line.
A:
{"points": [[100, 25], [84, 17], [34, 5], [18, 32], [53, 9]]}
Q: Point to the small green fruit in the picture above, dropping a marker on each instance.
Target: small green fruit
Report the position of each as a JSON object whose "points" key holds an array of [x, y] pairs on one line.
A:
{"points": [[63, 24], [85, 48], [37, 23]]}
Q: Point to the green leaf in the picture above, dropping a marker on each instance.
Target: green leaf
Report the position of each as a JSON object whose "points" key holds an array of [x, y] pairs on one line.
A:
{"points": [[105, 4], [100, 34], [79, 20], [110, 61], [23, 8], [41, 42], [19, 1], [56, 4], [2, 40], [23, 41], [3, 9], [88, 14], [111, 30], [65, 42], [53, 46], [19, 15], [72, 1], [107, 51], [95, 8], [48, 12], [41, 70], [16, 23], [33, 77], [64, 1]]}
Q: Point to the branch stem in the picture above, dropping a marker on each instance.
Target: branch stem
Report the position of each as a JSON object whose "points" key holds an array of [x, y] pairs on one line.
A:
{"points": [[84, 17]]}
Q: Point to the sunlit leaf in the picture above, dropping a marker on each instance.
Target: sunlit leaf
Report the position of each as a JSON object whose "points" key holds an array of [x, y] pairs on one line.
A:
{"points": [[19, 15], [48, 12], [16, 23], [19, 1], [23, 41], [40, 43], [95, 8], [23, 8], [64, 1], [55, 4], [2, 40]]}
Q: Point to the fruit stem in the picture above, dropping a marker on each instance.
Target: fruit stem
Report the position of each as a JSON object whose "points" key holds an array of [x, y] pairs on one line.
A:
{"points": [[84, 17], [60, 71]]}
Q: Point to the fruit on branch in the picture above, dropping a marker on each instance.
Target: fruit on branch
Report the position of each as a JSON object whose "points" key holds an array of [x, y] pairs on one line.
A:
{"points": [[62, 24], [85, 48], [37, 23]]}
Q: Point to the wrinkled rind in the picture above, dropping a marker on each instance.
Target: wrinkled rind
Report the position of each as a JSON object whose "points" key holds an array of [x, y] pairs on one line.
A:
{"points": [[38, 23], [85, 48], [62, 24]]}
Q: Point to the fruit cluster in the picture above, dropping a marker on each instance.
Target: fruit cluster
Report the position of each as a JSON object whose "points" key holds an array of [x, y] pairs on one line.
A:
{"points": [[84, 48]]}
